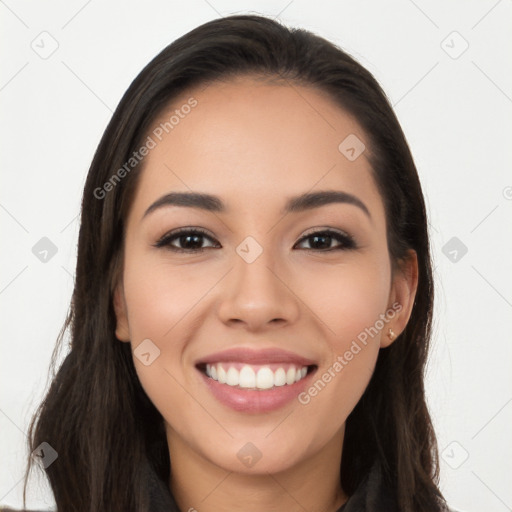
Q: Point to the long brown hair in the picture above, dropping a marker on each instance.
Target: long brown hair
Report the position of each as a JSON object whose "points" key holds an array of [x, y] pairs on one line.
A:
{"points": [[97, 417]]}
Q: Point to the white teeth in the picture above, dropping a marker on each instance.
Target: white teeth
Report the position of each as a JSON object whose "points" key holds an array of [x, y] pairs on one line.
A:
{"points": [[232, 377], [221, 374], [248, 377], [265, 378], [280, 377]]}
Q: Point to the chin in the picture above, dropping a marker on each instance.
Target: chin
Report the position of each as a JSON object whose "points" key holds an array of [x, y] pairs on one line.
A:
{"points": [[256, 458]]}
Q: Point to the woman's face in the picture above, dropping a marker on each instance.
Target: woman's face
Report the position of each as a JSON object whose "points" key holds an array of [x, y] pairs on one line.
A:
{"points": [[289, 323]]}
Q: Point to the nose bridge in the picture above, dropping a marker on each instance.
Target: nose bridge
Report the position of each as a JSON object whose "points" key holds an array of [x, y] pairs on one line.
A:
{"points": [[255, 265], [255, 293]]}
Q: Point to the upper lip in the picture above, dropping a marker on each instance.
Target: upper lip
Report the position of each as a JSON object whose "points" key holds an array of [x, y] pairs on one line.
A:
{"points": [[251, 356]]}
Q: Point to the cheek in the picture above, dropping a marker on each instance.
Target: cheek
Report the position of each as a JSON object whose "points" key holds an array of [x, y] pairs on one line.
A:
{"points": [[158, 300], [160, 297], [345, 373], [347, 299], [350, 302], [162, 302]]}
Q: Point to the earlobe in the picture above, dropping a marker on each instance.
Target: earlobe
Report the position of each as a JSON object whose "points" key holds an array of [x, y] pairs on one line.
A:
{"points": [[401, 298], [122, 328]]}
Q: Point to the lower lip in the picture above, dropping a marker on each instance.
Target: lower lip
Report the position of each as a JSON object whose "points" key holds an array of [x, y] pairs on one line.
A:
{"points": [[253, 400]]}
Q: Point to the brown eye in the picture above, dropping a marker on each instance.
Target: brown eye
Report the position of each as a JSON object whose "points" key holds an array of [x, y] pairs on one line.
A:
{"points": [[188, 240], [322, 240]]}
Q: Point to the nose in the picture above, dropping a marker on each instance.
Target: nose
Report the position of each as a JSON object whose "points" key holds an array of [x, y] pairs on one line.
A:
{"points": [[255, 296]]}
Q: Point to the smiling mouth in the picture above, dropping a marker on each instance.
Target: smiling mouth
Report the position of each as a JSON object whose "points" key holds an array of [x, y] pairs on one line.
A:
{"points": [[256, 377]]}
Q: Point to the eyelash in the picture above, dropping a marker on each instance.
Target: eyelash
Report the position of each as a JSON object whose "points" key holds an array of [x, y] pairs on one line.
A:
{"points": [[347, 242]]}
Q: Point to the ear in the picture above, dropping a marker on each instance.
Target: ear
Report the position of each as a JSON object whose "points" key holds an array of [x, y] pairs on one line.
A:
{"points": [[122, 327], [401, 297]]}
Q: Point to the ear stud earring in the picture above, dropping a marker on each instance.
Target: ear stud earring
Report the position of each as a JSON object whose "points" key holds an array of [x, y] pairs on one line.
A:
{"points": [[391, 334]]}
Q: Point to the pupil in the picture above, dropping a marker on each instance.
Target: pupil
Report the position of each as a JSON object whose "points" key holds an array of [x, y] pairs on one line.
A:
{"points": [[324, 237], [186, 244]]}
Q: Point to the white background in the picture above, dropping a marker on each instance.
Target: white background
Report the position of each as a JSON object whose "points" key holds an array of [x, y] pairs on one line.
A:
{"points": [[456, 114]]}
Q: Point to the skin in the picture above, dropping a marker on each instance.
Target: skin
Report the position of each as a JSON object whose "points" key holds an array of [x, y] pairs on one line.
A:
{"points": [[254, 145]]}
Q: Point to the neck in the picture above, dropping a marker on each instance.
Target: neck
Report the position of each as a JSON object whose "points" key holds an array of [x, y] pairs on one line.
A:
{"points": [[313, 484]]}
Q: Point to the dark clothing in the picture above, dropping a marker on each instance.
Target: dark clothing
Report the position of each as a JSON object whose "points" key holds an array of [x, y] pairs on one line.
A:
{"points": [[370, 496]]}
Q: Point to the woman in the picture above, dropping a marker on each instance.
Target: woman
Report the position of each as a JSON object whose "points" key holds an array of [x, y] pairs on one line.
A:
{"points": [[253, 299]]}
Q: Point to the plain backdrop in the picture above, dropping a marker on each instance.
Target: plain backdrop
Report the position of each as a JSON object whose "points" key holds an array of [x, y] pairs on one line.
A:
{"points": [[446, 67]]}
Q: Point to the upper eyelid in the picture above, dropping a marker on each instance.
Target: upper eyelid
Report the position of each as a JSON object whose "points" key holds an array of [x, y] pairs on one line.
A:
{"points": [[316, 230], [180, 231]]}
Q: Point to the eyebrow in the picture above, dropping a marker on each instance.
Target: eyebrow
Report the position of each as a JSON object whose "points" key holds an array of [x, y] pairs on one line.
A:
{"points": [[301, 203]]}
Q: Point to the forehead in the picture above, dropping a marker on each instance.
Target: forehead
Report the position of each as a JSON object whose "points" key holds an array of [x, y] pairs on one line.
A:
{"points": [[254, 144]]}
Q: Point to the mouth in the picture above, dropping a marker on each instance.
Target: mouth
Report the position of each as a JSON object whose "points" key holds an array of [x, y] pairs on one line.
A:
{"points": [[255, 381], [255, 377]]}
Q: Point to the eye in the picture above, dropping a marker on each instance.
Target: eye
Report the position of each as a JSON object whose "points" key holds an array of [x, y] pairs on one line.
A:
{"points": [[188, 238], [321, 241]]}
